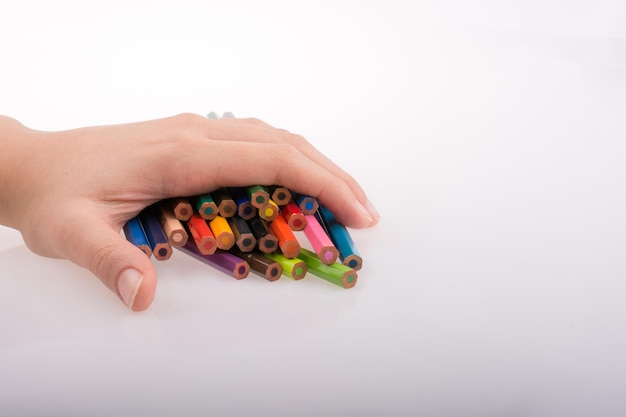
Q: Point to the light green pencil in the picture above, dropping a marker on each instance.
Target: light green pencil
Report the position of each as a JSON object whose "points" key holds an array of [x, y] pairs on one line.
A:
{"points": [[293, 268], [337, 273]]}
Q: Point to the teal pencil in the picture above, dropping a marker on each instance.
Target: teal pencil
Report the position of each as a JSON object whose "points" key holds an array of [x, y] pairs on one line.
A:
{"points": [[340, 237]]}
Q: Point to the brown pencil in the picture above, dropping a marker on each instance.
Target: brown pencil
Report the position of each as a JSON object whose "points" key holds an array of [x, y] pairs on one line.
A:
{"points": [[182, 208], [260, 264]]}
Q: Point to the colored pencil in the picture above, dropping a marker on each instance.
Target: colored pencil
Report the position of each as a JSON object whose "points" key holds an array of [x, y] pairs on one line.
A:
{"points": [[308, 204], [134, 234], [205, 206], [224, 235], [319, 239], [260, 264], [293, 215], [339, 235], [225, 203], [337, 273], [220, 260], [202, 235], [269, 211], [182, 208], [287, 240], [258, 195], [245, 209], [172, 227], [266, 241], [161, 249], [244, 238], [293, 268], [280, 195]]}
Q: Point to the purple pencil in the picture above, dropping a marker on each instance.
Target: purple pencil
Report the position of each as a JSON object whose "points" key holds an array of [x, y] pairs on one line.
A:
{"points": [[223, 261]]}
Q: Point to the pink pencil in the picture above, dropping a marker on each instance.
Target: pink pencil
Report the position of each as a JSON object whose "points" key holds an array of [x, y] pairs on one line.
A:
{"points": [[322, 245]]}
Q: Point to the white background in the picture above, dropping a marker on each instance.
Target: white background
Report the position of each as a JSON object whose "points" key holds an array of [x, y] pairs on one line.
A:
{"points": [[490, 136]]}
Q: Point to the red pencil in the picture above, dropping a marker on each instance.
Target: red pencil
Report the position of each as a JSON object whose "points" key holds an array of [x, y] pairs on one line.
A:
{"points": [[293, 215], [202, 235]]}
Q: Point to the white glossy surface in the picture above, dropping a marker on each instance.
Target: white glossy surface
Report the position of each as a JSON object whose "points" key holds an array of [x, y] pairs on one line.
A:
{"points": [[490, 138]]}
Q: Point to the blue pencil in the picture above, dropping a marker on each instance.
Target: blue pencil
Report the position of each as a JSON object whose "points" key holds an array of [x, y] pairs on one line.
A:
{"points": [[307, 204], [134, 234], [340, 236], [159, 244], [245, 209]]}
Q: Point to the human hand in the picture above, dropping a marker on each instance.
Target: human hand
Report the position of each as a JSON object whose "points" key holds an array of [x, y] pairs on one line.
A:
{"points": [[70, 192]]}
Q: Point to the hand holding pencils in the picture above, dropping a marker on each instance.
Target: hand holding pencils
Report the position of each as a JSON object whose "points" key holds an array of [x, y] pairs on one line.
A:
{"points": [[71, 192]]}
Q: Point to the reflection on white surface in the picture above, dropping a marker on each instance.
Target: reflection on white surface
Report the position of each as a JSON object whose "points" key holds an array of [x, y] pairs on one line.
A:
{"points": [[196, 307], [489, 136]]}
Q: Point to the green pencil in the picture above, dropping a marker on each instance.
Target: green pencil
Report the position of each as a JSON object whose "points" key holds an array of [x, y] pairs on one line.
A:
{"points": [[337, 273]]}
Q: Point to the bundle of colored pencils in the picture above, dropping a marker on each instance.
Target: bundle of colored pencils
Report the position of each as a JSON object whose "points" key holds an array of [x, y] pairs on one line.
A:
{"points": [[238, 230]]}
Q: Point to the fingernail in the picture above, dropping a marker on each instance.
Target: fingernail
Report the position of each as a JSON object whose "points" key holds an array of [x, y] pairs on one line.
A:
{"points": [[372, 211], [364, 213], [128, 284]]}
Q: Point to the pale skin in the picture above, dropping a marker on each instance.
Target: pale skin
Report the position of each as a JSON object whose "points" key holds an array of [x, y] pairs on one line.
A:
{"points": [[70, 192]]}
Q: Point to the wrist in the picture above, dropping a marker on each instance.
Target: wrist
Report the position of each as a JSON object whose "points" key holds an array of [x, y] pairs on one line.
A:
{"points": [[14, 150]]}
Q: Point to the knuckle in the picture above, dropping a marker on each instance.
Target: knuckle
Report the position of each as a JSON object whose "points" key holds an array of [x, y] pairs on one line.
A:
{"points": [[286, 152], [186, 119], [100, 260], [255, 121], [296, 140]]}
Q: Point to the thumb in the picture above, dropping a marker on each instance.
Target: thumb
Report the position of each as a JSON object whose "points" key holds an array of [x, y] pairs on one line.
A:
{"points": [[120, 265]]}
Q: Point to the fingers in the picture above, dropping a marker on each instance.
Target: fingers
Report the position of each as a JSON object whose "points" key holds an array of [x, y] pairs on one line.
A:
{"points": [[240, 152], [120, 265], [216, 164], [254, 130]]}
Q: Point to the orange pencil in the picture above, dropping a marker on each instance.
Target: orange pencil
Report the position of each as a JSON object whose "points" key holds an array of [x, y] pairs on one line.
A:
{"points": [[224, 235], [201, 234], [287, 241]]}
